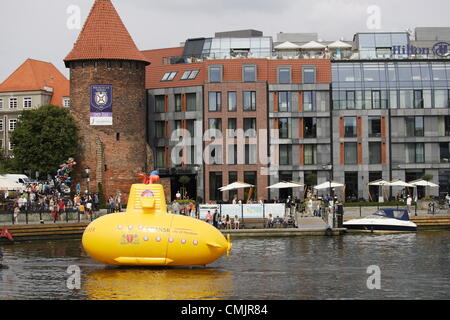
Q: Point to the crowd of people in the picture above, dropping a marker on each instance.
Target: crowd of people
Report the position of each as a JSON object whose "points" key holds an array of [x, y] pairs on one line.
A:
{"points": [[222, 221]]}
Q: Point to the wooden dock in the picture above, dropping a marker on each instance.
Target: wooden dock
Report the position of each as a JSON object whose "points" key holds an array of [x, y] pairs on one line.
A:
{"points": [[431, 222], [44, 232]]}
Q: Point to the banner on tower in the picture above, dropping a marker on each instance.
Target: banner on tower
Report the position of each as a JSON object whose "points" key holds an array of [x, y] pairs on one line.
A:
{"points": [[101, 105]]}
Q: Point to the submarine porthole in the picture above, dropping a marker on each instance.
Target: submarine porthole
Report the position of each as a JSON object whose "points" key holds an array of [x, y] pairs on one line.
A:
{"points": [[195, 242], [158, 239], [120, 227], [170, 240], [145, 238]]}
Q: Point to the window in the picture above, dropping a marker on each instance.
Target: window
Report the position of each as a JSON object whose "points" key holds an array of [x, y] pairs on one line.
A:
{"points": [[418, 99], [309, 128], [11, 146], [309, 75], [284, 75], [284, 128], [178, 103], [1, 125], [1, 103], [406, 99], [285, 154], [376, 99], [12, 124], [414, 153], [350, 129], [215, 182], [249, 100], [232, 177], [284, 101], [375, 152], [351, 153], [66, 102], [251, 177], [446, 130], [249, 73], [374, 127], [215, 101], [191, 102], [445, 152], [160, 104], [308, 101], [250, 154], [190, 127], [232, 155], [215, 125], [168, 76], [414, 126], [27, 102], [250, 127], [441, 99], [350, 97], [215, 74], [189, 75], [310, 154], [232, 101], [12, 103], [232, 126], [160, 129]]}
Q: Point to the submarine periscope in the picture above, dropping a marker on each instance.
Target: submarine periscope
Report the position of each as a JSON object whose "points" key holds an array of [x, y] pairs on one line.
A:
{"points": [[147, 235]]}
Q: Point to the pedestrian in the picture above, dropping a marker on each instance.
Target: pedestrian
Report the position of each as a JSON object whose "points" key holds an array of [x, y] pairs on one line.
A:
{"points": [[216, 218], [111, 204], [447, 197], [209, 218], [16, 213], [89, 208], [82, 209], [236, 222], [61, 207], [409, 203]]}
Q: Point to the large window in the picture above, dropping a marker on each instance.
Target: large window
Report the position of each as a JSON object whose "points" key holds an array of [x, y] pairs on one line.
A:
{"points": [[406, 99], [414, 126], [309, 128], [446, 122], [284, 101], [1, 124], [374, 127], [351, 99], [350, 127], [376, 99], [375, 152], [215, 101], [251, 177], [284, 126], [232, 154], [441, 99], [215, 127], [160, 102], [250, 127], [27, 102], [232, 126], [351, 153], [250, 154], [414, 153], [445, 152], [309, 75], [12, 124], [178, 103], [232, 101], [160, 129], [215, 74], [309, 157], [249, 73], [285, 154], [418, 99], [191, 102], [249, 100], [308, 101], [284, 75], [215, 182], [160, 157], [12, 103], [1, 103]]}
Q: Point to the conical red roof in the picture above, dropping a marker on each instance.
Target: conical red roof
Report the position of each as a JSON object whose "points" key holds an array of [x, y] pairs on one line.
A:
{"points": [[104, 36]]}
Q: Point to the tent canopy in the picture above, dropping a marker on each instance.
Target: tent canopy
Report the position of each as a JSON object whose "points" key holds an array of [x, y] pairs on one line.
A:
{"points": [[235, 186], [328, 185], [286, 185], [312, 45]]}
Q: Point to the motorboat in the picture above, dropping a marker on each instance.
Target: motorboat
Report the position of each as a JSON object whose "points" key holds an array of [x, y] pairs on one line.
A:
{"points": [[384, 220]]}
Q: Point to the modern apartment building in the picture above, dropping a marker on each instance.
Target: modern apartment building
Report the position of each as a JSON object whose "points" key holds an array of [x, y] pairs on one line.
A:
{"points": [[33, 84], [354, 111]]}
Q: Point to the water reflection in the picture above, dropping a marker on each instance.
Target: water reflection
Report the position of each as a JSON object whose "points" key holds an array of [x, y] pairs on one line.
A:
{"points": [[158, 284]]}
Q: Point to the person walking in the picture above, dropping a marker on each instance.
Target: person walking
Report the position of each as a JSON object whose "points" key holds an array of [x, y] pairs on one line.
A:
{"points": [[16, 213], [111, 204], [447, 198], [216, 219], [409, 203]]}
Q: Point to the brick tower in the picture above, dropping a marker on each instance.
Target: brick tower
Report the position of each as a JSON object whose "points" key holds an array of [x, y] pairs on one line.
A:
{"points": [[107, 91]]}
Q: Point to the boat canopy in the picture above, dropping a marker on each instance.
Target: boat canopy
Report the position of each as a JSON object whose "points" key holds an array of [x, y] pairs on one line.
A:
{"points": [[399, 214]]}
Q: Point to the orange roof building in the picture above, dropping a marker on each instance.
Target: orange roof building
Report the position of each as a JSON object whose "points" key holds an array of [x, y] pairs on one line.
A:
{"points": [[104, 37]]}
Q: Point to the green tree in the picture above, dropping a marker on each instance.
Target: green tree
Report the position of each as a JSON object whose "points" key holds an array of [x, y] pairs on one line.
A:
{"points": [[44, 139]]}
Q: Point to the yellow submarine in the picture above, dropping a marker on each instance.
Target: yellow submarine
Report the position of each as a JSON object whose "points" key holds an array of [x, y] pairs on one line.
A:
{"points": [[147, 235]]}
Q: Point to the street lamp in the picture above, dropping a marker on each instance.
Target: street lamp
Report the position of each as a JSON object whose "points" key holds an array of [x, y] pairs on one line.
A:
{"points": [[87, 170]]}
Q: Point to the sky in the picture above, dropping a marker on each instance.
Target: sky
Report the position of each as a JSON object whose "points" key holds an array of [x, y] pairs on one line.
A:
{"points": [[47, 29]]}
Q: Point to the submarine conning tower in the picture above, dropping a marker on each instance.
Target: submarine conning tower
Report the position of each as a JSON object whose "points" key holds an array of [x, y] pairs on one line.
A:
{"points": [[147, 199]]}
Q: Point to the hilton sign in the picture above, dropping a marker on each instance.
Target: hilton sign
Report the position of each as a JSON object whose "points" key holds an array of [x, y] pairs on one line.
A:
{"points": [[440, 49]]}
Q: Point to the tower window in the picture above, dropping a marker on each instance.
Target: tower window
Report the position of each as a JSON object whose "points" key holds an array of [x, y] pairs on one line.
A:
{"points": [[118, 136]]}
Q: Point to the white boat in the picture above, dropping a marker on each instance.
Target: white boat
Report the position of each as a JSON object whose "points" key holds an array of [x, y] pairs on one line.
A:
{"points": [[384, 220]]}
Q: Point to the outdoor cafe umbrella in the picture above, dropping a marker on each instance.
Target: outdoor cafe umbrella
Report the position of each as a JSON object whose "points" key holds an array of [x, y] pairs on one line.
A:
{"points": [[424, 183], [379, 183], [400, 183], [235, 186], [329, 185], [286, 185]]}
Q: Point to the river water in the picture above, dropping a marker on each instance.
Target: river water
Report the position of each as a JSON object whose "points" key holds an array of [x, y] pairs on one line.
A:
{"points": [[412, 266]]}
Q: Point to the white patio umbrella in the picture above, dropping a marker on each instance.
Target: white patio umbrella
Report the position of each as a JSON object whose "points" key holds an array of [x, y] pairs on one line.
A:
{"points": [[380, 184], [339, 45], [286, 185], [312, 45], [236, 186], [424, 183], [287, 46], [329, 185], [400, 183]]}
